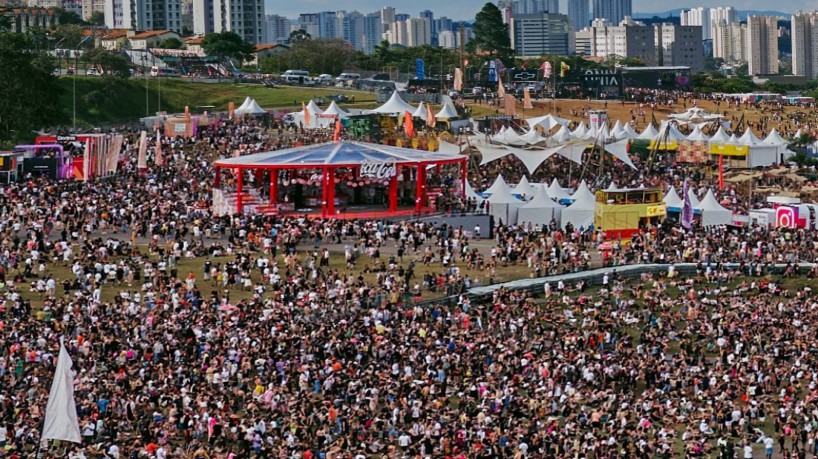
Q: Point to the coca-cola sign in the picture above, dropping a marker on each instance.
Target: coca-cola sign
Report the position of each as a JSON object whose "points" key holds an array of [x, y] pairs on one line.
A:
{"points": [[378, 170]]}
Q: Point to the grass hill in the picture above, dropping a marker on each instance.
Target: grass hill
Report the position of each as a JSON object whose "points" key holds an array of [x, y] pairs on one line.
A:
{"points": [[127, 102]]}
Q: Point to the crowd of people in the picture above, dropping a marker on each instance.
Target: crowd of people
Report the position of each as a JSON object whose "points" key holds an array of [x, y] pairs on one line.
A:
{"points": [[306, 338]]}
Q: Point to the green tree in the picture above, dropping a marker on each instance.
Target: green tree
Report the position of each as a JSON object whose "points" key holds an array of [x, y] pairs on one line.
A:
{"points": [[115, 67], [187, 32], [69, 17], [97, 18], [171, 43], [70, 35], [28, 89], [299, 35], [227, 45], [331, 56], [491, 35]]}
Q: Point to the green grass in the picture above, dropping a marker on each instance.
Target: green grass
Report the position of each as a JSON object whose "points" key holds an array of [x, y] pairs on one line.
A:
{"points": [[127, 101]]}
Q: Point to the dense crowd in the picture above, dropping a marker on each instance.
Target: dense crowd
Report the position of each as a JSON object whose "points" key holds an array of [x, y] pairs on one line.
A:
{"points": [[302, 338]]}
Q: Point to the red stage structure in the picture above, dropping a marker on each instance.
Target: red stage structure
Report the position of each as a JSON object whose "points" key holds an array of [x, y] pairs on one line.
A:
{"points": [[346, 163]]}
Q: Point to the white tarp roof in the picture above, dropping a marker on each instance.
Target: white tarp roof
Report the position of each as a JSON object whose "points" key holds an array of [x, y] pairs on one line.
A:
{"points": [[649, 133], [572, 150], [720, 136], [630, 131], [547, 122], [670, 131], [749, 138], [421, 112], [448, 148], [695, 114], [533, 158], [395, 104], [774, 138], [446, 112], [562, 135], [252, 108], [620, 151], [523, 188], [490, 154], [498, 185], [556, 191], [334, 109], [584, 197], [580, 130], [672, 198], [713, 213], [532, 137], [698, 135]]}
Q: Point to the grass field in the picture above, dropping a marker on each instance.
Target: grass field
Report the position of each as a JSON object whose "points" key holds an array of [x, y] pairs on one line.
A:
{"points": [[128, 101]]}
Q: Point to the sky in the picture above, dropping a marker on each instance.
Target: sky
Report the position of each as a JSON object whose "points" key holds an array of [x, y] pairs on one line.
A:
{"points": [[466, 9]]}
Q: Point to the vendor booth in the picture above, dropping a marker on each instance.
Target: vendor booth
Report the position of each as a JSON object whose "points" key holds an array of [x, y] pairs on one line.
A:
{"points": [[621, 213], [339, 179]]}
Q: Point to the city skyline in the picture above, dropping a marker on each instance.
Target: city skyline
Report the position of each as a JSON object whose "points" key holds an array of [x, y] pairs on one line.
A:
{"points": [[467, 9]]}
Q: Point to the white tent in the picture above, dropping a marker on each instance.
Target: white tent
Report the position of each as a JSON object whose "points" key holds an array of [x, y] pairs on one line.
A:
{"points": [[498, 185], [620, 151], [798, 134], [573, 150], [532, 137], [694, 200], [759, 154], [395, 105], [720, 137], [335, 110], [446, 112], [251, 108], [698, 135], [649, 133], [523, 189], [448, 148], [556, 191], [490, 154], [547, 122], [672, 199], [503, 206], [749, 138], [244, 104], [774, 138], [580, 214], [540, 210], [580, 130], [669, 131], [713, 214], [733, 140], [470, 193], [562, 135], [612, 187], [315, 121], [421, 112]]}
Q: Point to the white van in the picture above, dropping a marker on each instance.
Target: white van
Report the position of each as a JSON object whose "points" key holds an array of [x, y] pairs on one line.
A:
{"points": [[348, 76], [295, 76]]}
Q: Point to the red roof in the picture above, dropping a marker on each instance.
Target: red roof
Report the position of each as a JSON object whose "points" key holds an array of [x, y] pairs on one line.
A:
{"points": [[149, 34]]}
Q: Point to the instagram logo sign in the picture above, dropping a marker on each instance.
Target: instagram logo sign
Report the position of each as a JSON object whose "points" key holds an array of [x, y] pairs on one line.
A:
{"points": [[786, 217]]}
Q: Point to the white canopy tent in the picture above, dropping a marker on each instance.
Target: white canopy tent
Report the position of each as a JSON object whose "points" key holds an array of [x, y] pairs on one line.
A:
{"points": [[547, 122], [446, 112], [713, 214], [498, 185], [697, 135], [336, 111], [315, 122], [395, 105], [421, 112], [503, 205], [523, 189], [774, 139], [580, 214], [562, 135], [532, 137], [694, 200], [672, 199], [556, 191], [244, 104], [253, 108], [720, 137], [470, 193], [649, 133], [580, 130], [540, 210]]}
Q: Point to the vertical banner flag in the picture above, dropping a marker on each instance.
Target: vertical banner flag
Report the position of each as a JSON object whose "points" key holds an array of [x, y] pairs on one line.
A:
{"points": [[430, 117], [231, 109], [142, 159], [306, 115], [160, 160], [86, 161], [721, 172], [501, 90], [408, 125], [61, 421], [337, 136], [187, 114], [510, 105], [527, 99], [687, 207], [563, 68], [546, 69], [420, 69], [458, 79]]}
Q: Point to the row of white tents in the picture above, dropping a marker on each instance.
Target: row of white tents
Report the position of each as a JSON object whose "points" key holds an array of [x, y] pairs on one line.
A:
{"points": [[249, 107], [538, 204]]}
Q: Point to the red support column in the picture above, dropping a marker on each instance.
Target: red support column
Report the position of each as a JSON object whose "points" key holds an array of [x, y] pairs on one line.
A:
{"points": [[393, 193], [464, 169], [324, 208], [239, 190], [420, 187], [331, 191], [273, 186], [218, 179]]}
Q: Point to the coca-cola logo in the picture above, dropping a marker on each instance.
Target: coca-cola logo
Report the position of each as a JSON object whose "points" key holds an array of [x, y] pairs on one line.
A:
{"points": [[378, 170]]}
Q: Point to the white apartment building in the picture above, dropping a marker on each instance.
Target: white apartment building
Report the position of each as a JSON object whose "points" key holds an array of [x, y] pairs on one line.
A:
{"points": [[698, 17], [418, 31], [730, 42], [805, 44], [762, 43], [276, 29], [680, 46], [628, 39], [244, 17]]}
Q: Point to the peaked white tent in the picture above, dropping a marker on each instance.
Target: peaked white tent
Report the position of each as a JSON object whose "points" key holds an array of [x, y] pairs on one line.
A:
{"points": [[720, 137], [629, 130], [446, 112], [612, 187], [540, 210], [556, 191], [562, 135], [395, 105], [335, 110], [649, 133], [798, 134], [421, 112], [580, 214], [694, 200], [749, 138], [244, 104], [503, 206], [672, 200], [547, 122], [774, 139], [733, 140], [670, 131], [498, 185], [580, 130], [314, 110], [523, 189], [252, 108], [698, 135], [713, 214], [470, 193], [532, 137]]}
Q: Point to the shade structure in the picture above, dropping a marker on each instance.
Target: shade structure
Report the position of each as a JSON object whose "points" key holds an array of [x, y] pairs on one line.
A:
{"points": [[314, 120], [556, 191], [698, 135], [448, 148], [580, 214], [713, 213], [379, 163], [580, 130], [562, 135], [628, 129], [447, 112], [252, 108], [547, 122], [649, 133], [421, 112], [503, 205], [523, 189], [749, 138], [672, 200], [720, 137], [489, 153], [395, 105], [498, 185], [244, 104], [532, 137], [540, 210], [335, 110], [620, 151]]}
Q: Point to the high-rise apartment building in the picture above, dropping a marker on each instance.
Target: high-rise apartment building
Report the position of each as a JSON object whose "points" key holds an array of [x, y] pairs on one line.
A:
{"points": [[202, 17], [579, 13], [114, 18], [373, 31], [320, 25], [350, 28], [446, 39], [151, 15], [418, 31], [730, 42], [387, 17], [726, 14], [244, 17], [628, 39], [276, 29], [805, 44], [762, 43], [679, 46], [698, 17], [443, 23], [534, 7], [534, 35], [614, 11], [89, 7]]}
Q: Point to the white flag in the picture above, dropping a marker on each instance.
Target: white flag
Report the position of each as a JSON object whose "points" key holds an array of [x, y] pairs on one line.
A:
{"points": [[142, 159], [61, 412]]}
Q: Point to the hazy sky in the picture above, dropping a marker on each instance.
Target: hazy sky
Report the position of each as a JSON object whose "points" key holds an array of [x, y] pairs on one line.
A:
{"points": [[466, 9]]}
